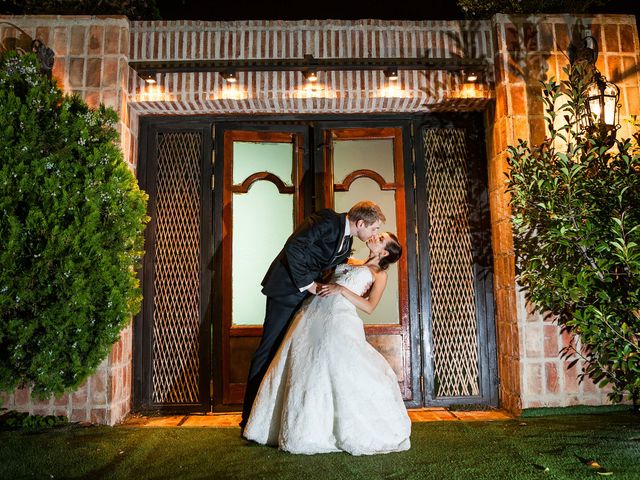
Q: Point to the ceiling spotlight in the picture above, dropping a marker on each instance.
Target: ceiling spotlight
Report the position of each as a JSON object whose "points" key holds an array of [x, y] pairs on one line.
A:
{"points": [[149, 78], [310, 75], [230, 76], [391, 73], [471, 77]]}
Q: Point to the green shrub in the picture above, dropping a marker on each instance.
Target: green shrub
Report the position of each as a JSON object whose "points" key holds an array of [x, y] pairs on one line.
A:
{"points": [[13, 420], [71, 222], [576, 219]]}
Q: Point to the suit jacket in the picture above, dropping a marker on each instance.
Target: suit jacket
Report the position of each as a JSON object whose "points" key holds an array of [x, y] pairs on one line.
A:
{"points": [[313, 247]]}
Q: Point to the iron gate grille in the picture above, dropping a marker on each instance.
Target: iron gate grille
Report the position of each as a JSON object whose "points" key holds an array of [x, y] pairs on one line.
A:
{"points": [[176, 309], [451, 276]]}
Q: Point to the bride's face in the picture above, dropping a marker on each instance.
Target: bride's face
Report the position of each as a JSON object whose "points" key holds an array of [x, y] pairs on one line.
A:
{"points": [[377, 243]]}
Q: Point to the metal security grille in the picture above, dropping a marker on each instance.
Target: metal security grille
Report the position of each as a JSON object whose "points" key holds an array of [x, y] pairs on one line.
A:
{"points": [[176, 309], [454, 318]]}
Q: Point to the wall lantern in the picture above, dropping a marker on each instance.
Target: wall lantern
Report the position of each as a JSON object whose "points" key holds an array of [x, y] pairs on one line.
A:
{"points": [[45, 55], [391, 73], [310, 76], [602, 107], [149, 79], [230, 76]]}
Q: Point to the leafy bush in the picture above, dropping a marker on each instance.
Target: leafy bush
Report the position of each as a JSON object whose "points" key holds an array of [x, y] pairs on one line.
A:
{"points": [[71, 222], [13, 420], [487, 8], [576, 219]]}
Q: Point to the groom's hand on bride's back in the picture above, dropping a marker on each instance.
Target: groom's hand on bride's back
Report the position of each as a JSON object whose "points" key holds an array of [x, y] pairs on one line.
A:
{"points": [[313, 288]]}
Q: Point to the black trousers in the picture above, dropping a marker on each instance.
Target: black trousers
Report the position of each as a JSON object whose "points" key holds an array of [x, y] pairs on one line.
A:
{"points": [[278, 315]]}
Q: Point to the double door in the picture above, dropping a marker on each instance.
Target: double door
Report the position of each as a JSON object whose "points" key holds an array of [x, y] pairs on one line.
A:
{"points": [[224, 196]]}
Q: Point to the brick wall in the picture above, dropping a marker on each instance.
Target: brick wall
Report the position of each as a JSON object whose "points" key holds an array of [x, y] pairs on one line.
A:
{"points": [[529, 49], [91, 60]]}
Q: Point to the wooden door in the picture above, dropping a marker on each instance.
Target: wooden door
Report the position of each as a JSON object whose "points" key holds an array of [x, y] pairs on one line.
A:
{"points": [[362, 163], [459, 342], [260, 190], [172, 331]]}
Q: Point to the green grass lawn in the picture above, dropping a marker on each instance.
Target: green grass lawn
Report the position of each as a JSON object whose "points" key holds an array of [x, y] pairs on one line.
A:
{"points": [[442, 450]]}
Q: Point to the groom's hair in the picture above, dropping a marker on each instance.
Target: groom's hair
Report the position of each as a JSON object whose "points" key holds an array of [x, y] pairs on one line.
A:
{"points": [[367, 211]]}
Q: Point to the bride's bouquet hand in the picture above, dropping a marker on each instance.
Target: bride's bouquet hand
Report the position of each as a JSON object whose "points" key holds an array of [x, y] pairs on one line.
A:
{"points": [[329, 289]]}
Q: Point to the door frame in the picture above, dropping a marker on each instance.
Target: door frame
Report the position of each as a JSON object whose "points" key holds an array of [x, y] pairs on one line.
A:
{"points": [[412, 330], [477, 187], [418, 292], [222, 392], [146, 171]]}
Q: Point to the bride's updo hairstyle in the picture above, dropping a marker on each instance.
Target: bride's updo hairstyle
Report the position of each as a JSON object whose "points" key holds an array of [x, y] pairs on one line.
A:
{"points": [[394, 250]]}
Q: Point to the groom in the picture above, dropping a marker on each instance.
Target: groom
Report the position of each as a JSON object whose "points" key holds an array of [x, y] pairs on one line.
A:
{"points": [[321, 242]]}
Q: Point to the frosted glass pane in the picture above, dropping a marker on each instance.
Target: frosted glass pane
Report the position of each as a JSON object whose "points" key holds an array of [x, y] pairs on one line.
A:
{"points": [[351, 155], [366, 189], [262, 222], [251, 157]]}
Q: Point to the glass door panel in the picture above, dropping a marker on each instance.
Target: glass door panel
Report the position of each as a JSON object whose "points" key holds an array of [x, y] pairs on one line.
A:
{"points": [[262, 221], [261, 205], [387, 311], [367, 164]]}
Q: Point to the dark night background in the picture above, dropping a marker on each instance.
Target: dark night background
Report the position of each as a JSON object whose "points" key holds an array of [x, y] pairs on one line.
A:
{"points": [[332, 9], [274, 10]]}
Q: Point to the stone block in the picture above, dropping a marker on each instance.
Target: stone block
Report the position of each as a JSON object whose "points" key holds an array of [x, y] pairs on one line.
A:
{"points": [[77, 40], [611, 40], [60, 41], [94, 71], [533, 340], [109, 73], [22, 397], [551, 347], [76, 72], [98, 390], [62, 401], [112, 40], [79, 415], [533, 380], [551, 377], [99, 415], [96, 39], [627, 41]]}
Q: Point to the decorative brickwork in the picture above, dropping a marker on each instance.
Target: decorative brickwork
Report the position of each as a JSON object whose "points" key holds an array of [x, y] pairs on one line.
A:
{"points": [[285, 92]]}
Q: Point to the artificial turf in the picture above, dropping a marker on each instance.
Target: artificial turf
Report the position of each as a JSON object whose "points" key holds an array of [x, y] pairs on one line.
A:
{"points": [[557, 447]]}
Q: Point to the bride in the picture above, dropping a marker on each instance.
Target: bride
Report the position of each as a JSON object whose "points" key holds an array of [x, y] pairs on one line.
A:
{"points": [[327, 389]]}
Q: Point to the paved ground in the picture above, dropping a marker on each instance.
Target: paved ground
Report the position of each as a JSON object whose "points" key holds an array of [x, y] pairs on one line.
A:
{"points": [[232, 419]]}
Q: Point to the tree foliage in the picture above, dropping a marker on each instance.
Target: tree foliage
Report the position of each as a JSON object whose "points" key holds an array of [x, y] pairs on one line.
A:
{"points": [[487, 8], [71, 222], [134, 9], [576, 219]]}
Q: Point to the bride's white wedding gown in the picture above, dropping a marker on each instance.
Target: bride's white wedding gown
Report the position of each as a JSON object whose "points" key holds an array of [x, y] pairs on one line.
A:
{"points": [[327, 389]]}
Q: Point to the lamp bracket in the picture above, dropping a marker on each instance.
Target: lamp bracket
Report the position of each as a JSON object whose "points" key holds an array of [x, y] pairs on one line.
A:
{"points": [[585, 49], [45, 55]]}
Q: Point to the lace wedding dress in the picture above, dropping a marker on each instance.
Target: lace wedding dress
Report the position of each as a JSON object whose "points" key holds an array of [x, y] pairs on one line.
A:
{"points": [[327, 389]]}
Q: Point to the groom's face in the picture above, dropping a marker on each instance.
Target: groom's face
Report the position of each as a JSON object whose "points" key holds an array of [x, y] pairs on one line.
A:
{"points": [[365, 232]]}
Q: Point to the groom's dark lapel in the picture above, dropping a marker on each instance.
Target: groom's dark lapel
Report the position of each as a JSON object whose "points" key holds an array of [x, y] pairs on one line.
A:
{"points": [[337, 250]]}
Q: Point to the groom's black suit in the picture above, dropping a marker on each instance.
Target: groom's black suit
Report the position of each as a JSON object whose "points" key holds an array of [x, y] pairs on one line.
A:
{"points": [[316, 245]]}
